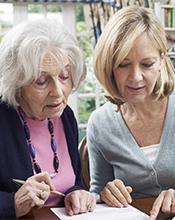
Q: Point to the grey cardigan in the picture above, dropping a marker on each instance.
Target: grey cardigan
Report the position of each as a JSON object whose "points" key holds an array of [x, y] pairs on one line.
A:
{"points": [[114, 153]]}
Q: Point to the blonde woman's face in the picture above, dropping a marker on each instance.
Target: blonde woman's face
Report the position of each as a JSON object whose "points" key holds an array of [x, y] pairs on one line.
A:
{"points": [[138, 73], [47, 96]]}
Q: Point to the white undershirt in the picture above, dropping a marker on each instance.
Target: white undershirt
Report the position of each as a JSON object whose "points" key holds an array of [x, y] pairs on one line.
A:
{"points": [[151, 152]]}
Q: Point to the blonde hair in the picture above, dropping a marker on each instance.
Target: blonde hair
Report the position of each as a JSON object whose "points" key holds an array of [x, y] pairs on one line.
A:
{"points": [[22, 50], [117, 40]]}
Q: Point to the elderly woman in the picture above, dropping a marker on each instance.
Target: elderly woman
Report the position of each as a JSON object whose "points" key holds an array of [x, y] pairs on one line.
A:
{"points": [[131, 138], [40, 65]]}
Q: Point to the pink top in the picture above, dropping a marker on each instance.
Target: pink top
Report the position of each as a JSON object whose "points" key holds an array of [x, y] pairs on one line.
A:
{"points": [[40, 138]]}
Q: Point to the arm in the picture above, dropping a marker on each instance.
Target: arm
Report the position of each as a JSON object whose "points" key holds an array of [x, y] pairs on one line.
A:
{"points": [[7, 208], [112, 191], [101, 171]]}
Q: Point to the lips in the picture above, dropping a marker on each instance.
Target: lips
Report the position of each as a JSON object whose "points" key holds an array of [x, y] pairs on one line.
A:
{"points": [[136, 88], [54, 105]]}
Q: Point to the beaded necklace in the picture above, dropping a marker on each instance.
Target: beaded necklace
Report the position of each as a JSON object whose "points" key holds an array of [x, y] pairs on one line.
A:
{"points": [[31, 147]]}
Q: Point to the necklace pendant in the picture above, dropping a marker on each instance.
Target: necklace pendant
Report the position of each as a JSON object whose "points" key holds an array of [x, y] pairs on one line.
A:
{"points": [[52, 175], [55, 162]]}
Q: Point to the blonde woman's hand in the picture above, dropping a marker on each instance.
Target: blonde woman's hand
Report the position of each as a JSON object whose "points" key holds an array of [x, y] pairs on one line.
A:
{"points": [[165, 203], [79, 201], [34, 192], [116, 194]]}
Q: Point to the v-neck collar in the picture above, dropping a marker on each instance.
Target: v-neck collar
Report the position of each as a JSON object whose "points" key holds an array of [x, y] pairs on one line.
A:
{"points": [[163, 140]]}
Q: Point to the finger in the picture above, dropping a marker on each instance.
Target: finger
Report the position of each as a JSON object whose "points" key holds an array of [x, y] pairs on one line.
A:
{"points": [[124, 195], [118, 189], [166, 205], [92, 203], [92, 206], [173, 202], [44, 195], [23, 204], [167, 202], [38, 187], [29, 190], [89, 201], [156, 206], [23, 198], [109, 198], [42, 177], [73, 203], [68, 207], [111, 204], [120, 197], [129, 189], [36, 200], [173, 207], [83, 200]]}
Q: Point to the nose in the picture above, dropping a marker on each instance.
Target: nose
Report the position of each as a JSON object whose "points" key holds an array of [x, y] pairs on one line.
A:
{"points": [[55, 88], [136, 74]]}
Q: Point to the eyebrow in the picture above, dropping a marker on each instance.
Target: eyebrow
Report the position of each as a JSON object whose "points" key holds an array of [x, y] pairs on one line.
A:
{"points": [[144, 59], [149, 59]]}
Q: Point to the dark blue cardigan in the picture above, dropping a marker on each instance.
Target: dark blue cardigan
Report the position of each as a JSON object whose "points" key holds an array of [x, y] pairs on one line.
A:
{"points": [[15, 160]]}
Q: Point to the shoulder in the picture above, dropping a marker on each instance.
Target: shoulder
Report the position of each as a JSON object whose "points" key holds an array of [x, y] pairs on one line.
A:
{"points": [[69, 119], [6, 109], [9, 118], [172, 96], [102, 120], [103, 114], [68, 113], [3, 106], [171, 101]]}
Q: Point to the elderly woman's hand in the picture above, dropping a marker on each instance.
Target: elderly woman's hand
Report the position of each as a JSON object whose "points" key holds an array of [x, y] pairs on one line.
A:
{"points": [[79, 201], [116, 194], [34, 192], [165, 202]]}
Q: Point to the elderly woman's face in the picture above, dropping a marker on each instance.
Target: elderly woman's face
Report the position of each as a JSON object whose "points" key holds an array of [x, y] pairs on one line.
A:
{"points": [[47, 96]]}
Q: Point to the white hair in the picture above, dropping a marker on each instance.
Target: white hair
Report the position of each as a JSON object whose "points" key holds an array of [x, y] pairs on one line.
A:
{"points": [[22, 49]]}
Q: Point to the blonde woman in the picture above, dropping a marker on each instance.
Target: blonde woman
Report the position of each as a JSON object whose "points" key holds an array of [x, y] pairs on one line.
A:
{"points": [[131, 140]]}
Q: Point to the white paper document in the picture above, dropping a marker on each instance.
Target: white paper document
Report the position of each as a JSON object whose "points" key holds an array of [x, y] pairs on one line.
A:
{"points": [[104, 212]]}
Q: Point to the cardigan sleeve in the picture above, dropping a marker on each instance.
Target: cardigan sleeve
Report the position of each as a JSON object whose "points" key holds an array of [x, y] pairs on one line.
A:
{"points": [[7, 208]]}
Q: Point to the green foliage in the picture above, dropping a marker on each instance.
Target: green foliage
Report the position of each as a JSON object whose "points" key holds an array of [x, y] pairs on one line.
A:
{"points": [[40, 8], [85, 107], [84, 39], [36, 8], [54, 8], [79, 12]]}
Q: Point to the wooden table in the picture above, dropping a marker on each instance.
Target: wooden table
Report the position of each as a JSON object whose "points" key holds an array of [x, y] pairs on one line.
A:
{"points": [[144, 205]]}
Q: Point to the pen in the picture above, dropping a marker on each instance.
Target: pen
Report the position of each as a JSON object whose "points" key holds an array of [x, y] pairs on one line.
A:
{"points": [[21, 182]]}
